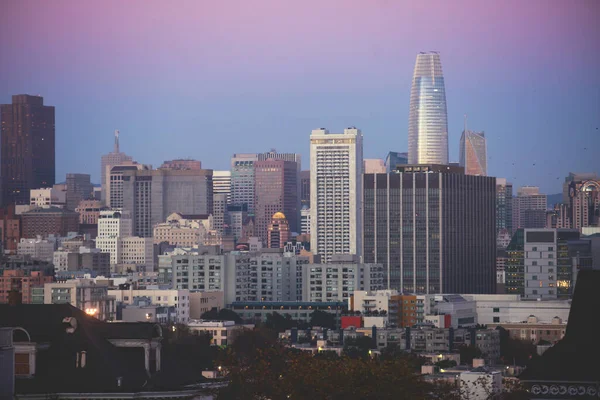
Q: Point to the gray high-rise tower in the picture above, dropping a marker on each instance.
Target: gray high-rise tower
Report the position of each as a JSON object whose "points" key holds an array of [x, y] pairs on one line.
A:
{"points": [[428, 118]]}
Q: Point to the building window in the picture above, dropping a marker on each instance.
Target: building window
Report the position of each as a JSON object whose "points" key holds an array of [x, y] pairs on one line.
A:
{"points": [[22, 364], [496, 309]]}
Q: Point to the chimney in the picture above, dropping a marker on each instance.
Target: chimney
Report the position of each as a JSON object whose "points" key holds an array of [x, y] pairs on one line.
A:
{"points": [[15, 297]]}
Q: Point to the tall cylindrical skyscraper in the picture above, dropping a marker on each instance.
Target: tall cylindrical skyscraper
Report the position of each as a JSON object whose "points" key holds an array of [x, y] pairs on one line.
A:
{"points": [[428, 118]]}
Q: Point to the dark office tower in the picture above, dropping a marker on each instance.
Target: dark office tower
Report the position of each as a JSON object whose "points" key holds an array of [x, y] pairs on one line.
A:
{"points": [[79, 187], [275, 191], [504, 206], [305, 188], [394, 159], [433, 228], [27, 147]]}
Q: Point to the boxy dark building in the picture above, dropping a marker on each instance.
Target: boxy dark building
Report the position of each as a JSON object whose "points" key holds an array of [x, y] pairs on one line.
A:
{"points": [[28, 160], [433, 228], [49, 221]]}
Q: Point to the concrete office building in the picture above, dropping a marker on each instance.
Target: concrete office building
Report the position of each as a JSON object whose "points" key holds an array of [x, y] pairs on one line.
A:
{"points": [[529, 208], [151, 195], [27, 138], [428, 118], [38, 249], [473, 153], [374, 166], [234, 219], [222, 184], [336, 163], [182, 165], [79, 187], [109, 160], [305, 189], [182, 230], [242, 180], [305, 221], [338, 279], [543, 263], [114, 182], [84, 294], [504, 206], [393, 159], [276, 190], [89, 211], [433, 229]]}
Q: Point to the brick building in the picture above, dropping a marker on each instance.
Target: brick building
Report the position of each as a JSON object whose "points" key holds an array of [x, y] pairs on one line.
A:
{"points": [[47, 221], [19, 281]]}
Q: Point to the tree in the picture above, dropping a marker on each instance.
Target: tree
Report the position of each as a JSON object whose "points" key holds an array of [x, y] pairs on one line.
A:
{"points": [[515, 351], [358, 347], [444, 364], [223, 314], [322, 319], [279, 323], [468, 353]]}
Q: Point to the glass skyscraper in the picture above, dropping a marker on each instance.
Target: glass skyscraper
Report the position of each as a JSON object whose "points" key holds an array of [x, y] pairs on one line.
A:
{"points": [[428, 118]]}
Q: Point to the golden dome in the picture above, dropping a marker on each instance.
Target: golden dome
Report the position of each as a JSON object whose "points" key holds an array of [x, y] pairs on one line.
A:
{"points": [[279, 215]]}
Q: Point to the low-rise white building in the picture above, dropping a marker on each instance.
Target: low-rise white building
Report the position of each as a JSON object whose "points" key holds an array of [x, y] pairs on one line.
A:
{"points": [[180, 299], [39, 249], [498, 308], [180, 231], [222, 332], [47, 197]]}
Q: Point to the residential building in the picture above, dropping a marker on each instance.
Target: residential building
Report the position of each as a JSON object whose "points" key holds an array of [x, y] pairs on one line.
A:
{"points": [[38, 249], [539, 264], [10, 229], [151, 195], [394, 159], [222, 184], [242, 180], [219, 213], [337, 280], [529, 208], [533, 330], [27, 138], [183, 230], [504, 205], [411, 227], [161, 297], [79, 187], [49, 221], [374, 166], [109, 160], [276, 190], [89, 211], [504, 308], [47, 197], [83, 294], [428, 118], [23, 282], [473, 153], [112, 227], [257, 311], [94, 260], [336, 163], [305, 189], [201, 302], [222, 333], [137, 253], [164, 315], [182, 165]]}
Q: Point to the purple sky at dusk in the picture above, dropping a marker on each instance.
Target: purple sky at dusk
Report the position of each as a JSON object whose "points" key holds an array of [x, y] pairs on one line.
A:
{"points": [[207, 79]]}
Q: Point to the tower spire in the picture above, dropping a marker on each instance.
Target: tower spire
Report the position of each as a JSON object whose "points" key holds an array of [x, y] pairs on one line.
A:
{"points": [[465, 123], [116, 150]]}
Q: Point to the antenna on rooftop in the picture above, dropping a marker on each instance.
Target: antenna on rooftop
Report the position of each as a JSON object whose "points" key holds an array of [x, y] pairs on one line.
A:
{"points": [[116, 141]]}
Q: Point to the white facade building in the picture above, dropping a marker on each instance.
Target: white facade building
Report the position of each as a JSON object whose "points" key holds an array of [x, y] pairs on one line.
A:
{"points": [[336, 166], [47, 197], [500, 308], [182, 232], [540, 263], [337, 280], [137, 251], [222, 184], [180, 299], [305, 221], [39, 249]]}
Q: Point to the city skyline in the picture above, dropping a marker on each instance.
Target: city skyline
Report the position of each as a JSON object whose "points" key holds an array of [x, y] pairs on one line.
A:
{"points": [[256, 99]]}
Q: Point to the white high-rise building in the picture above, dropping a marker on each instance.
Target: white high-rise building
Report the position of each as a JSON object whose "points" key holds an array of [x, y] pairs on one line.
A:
{"points": [[222, 184], [112, 226], [336, 166]]}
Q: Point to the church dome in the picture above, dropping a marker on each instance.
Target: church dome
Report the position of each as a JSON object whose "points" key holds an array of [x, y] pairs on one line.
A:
{"points": [[279, 215]]}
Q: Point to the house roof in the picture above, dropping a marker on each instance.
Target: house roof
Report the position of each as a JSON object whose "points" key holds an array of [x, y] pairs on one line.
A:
{"points": [[56, 366]]}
